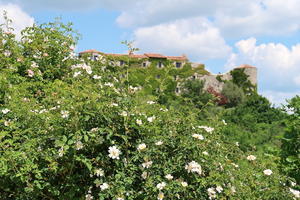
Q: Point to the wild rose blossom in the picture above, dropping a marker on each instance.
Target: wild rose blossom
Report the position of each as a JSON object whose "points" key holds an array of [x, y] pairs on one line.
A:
{"points": [[139, 122], [141, 147], [147, 164], [184, 184], [251, 157], [193, 167], [161, 185], [114, 152], [104, 186], [169, 176], [268, 172], [198, 136], [5, 111]]}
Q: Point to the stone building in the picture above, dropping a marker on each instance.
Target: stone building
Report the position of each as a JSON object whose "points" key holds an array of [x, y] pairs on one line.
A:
{"points": [[215, 81]]}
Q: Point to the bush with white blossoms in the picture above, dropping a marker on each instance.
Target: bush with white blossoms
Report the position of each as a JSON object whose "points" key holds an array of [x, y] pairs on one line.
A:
{"points": [[85, 137]]}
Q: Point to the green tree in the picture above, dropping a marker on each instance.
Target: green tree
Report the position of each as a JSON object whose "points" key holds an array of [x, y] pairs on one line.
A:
{"points": [[233, 93], [291, 140]]}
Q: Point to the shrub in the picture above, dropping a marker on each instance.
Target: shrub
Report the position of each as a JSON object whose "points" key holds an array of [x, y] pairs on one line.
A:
{"points": [[233, 93], [75, 130]]}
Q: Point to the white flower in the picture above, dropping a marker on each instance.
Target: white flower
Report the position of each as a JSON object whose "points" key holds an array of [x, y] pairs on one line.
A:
{"points": [[99, 172], [184, 184], [232, 188], [150, 102], [104, 186], [161, 185], [120, 198], [160, 196], [5, 111], [6, 123], [169, 176], [65, 114], [139, 122], [7, 53], [34, 65], [114, 152], [164, 110], [219, 189], [158, 143], [268, 172], [251, 157], [207, 129], [296, 193], [61, 152], [89, 197], [94, 129], [76, 74], [124, 114], [141, 147], [109, 84], [151, 119], [293, 183], [235, 165], [193, 167], [237, 144], [115, 105], [144, 175], [96, 77], [205, 153], [147, 164], [224, 122], [198, 136], [211, 193], [78, 145]]}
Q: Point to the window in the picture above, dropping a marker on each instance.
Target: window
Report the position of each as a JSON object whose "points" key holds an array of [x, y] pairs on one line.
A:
{"points": [[144, 64], [194, 77], [159, 64], [122, 62], [157, 76], [177, 90], [175, 77], [178, 64]]}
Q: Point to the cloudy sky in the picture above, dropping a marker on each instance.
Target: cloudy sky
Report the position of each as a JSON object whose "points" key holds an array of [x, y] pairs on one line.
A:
{"points": [[219, 33]]}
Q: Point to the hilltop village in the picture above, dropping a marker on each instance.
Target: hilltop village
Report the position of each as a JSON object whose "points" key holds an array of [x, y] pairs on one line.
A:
{"points": [[213, 82]]}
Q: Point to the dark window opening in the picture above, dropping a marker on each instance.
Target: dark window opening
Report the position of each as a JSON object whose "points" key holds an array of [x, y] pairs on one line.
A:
{"points": [[159, 64], [177, 90], [122, 62], [194, 77], [178, 64], [144, 64], [157, 76]]}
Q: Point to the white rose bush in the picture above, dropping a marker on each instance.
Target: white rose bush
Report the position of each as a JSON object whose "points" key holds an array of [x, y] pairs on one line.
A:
{"points": [[81, 137]]}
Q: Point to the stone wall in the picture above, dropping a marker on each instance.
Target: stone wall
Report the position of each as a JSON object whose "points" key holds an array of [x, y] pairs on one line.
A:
{"points": [[211, 80]]}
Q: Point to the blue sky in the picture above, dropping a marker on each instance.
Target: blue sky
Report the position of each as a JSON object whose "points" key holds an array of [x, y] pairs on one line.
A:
{"points": [[221, 34]]}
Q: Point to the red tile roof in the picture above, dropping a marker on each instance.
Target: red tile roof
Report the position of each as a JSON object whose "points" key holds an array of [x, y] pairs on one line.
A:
{"points": [[90, 51], [182, 58], [154, 55], [146, 55]]}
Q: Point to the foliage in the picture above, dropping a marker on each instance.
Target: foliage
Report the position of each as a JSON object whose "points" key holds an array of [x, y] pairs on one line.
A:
{"points": [[240, 78], [193, 91], [233, 93], [291, 140], [78, 129]]}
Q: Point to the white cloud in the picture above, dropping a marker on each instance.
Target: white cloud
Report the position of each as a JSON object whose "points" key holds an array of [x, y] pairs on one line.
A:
{"points": [[20, 19], [196, 37], [279, 98], [278, 65], [276, 17]]}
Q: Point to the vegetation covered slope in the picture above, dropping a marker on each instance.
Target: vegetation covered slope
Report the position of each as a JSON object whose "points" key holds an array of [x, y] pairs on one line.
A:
{"points": [[79, 129]]}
